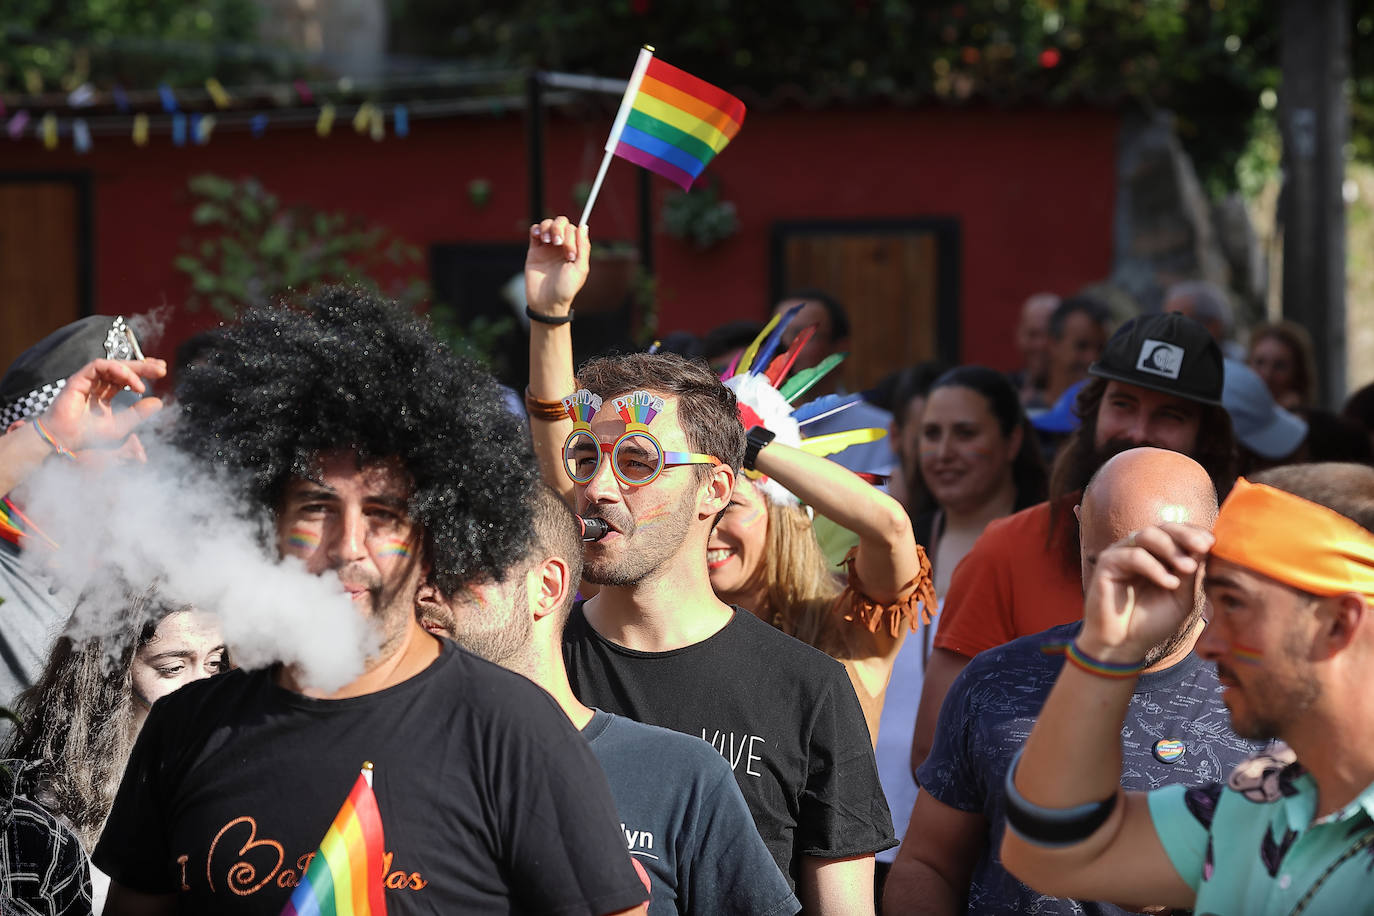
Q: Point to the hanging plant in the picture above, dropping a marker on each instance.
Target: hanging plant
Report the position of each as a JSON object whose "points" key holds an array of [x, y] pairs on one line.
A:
{"points": [[700, 217]]}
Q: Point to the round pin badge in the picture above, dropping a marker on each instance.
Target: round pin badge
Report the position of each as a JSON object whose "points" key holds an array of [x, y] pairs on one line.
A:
{"points": [[1169, 750]]}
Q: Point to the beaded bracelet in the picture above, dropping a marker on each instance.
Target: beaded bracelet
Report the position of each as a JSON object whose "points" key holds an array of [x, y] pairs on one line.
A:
{"points": [[47, 437], [540, 409]]}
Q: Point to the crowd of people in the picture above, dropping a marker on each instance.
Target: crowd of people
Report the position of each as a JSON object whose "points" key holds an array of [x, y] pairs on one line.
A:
{"points": [[699, 631]]}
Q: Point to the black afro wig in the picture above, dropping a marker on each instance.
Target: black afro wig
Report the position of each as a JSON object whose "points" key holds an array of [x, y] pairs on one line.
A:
{"points": [[350, 370]]}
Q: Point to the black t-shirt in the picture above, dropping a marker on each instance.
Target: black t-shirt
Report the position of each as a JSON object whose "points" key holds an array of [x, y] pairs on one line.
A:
{"points": [[782, 714], [490, 801]]}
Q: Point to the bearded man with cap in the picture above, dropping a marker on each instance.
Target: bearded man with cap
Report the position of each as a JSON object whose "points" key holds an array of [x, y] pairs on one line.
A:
{"points": [[64, 397], [1289, 574], [1157, 383]]}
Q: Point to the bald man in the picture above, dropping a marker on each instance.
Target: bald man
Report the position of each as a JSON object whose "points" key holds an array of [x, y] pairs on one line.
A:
{"points": [[1176, 731]]}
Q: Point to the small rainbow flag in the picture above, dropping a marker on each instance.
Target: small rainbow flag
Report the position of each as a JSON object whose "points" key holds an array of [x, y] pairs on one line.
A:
{"points": [[676, 123], [669, 122], [345, 876]]}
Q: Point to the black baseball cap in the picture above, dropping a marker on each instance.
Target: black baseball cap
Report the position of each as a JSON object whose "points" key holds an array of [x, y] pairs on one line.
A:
{"points": [[1170, 353]]}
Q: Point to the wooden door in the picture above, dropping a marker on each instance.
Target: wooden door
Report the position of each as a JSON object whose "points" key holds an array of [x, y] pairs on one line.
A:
{"points": [[898, 283], [40, 261]]}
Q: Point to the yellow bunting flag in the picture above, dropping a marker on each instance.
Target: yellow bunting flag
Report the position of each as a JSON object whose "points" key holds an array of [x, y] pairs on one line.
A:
{"points": [[326, 120], [217, 93], [204, 126], [48, 130], [362, 116], [378, 130], [140, 129]]}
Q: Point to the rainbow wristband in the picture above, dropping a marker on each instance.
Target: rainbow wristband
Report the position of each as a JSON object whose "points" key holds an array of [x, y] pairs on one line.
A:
{"points": [[46, 436], [1084, 662]]}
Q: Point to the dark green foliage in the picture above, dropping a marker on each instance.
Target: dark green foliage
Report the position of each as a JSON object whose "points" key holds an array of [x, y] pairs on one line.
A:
{"points": [[1207, 60], [54, 46], [247, 249]]}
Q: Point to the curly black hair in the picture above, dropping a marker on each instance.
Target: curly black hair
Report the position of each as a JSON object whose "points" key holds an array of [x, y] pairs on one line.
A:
{"points": [[348, 369]]}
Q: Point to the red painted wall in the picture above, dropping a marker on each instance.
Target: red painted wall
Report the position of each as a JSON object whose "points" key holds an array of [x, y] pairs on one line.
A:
{"points": [[1033, 191]]}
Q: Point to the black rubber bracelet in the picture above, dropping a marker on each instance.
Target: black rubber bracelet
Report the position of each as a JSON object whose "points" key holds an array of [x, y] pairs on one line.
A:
{"points": [[1052, 826], [548, 319], [755, 440]]}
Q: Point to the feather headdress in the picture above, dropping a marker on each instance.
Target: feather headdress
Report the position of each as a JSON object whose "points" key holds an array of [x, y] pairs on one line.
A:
{"points": [[767, 396]]}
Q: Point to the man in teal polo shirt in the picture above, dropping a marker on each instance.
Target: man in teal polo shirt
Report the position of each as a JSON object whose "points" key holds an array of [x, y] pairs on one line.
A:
{"points": [[1290, 583]]}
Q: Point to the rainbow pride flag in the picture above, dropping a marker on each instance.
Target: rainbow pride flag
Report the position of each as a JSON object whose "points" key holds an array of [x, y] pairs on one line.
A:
{"points": [[676, 123], [345, 876]]}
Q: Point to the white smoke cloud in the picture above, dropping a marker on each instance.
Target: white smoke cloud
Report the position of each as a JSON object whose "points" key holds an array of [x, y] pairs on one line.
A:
{"points": [[149, 327], [175, 522]]}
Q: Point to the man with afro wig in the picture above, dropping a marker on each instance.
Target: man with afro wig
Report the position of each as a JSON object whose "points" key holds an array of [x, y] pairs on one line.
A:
{"points": [[369, 451]]}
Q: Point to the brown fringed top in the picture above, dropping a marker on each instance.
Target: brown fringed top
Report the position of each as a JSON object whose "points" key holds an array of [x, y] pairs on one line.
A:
{"points": [[871, 633]]}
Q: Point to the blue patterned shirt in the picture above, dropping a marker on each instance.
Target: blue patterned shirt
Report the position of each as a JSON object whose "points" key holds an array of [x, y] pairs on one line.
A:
{"points": [[1177, 730]]}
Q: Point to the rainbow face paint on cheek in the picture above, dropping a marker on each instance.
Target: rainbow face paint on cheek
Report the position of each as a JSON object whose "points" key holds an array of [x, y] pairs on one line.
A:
{"points": [[753, 518], [393, 547], [302, 539], [650, 518], [1247, 654]]}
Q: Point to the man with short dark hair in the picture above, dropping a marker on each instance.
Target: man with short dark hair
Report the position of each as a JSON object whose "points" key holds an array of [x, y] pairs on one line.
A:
{"points": [[682, 813], [1076, 333], [657, 444], [1032, 342], [370, 453], [1158, 383], [831, 337], [1289, 575], [1175, 729]]}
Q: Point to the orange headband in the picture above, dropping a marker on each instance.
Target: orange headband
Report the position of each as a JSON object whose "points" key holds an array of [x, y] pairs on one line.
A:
{"points": [[1292, 540]]}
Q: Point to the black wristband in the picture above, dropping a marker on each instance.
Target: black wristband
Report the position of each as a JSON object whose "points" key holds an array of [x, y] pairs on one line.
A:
{"points": [[1052, 826], [754, 441], [548, 319]]}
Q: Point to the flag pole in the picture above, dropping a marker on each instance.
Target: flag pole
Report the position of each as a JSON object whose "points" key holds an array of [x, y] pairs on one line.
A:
{"points": [[646, 54]]}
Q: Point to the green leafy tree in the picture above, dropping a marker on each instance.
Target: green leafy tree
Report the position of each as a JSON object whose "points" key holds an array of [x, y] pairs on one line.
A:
{"points": [[1207, 60], [248, 249], [49, 46]]}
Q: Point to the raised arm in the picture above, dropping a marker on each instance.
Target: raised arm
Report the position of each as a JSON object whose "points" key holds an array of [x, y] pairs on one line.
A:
{"points": [[1141, 590], [82, 417], [556, 268], [888, 559]]}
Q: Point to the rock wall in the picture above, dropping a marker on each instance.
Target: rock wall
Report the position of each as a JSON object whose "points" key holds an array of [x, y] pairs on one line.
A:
{"points": [[1168, 231]]}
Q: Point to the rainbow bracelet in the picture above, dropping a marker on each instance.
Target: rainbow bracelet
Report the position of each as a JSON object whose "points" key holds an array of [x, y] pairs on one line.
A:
{"points": [[1084, 662], [46, 436]]}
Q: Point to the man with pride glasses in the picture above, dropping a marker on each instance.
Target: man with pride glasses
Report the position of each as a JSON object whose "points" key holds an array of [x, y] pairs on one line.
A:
{"points": [[655, 644]]}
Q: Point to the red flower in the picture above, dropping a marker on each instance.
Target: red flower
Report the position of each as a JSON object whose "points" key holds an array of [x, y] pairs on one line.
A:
{"points": [[1049, 58]]}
